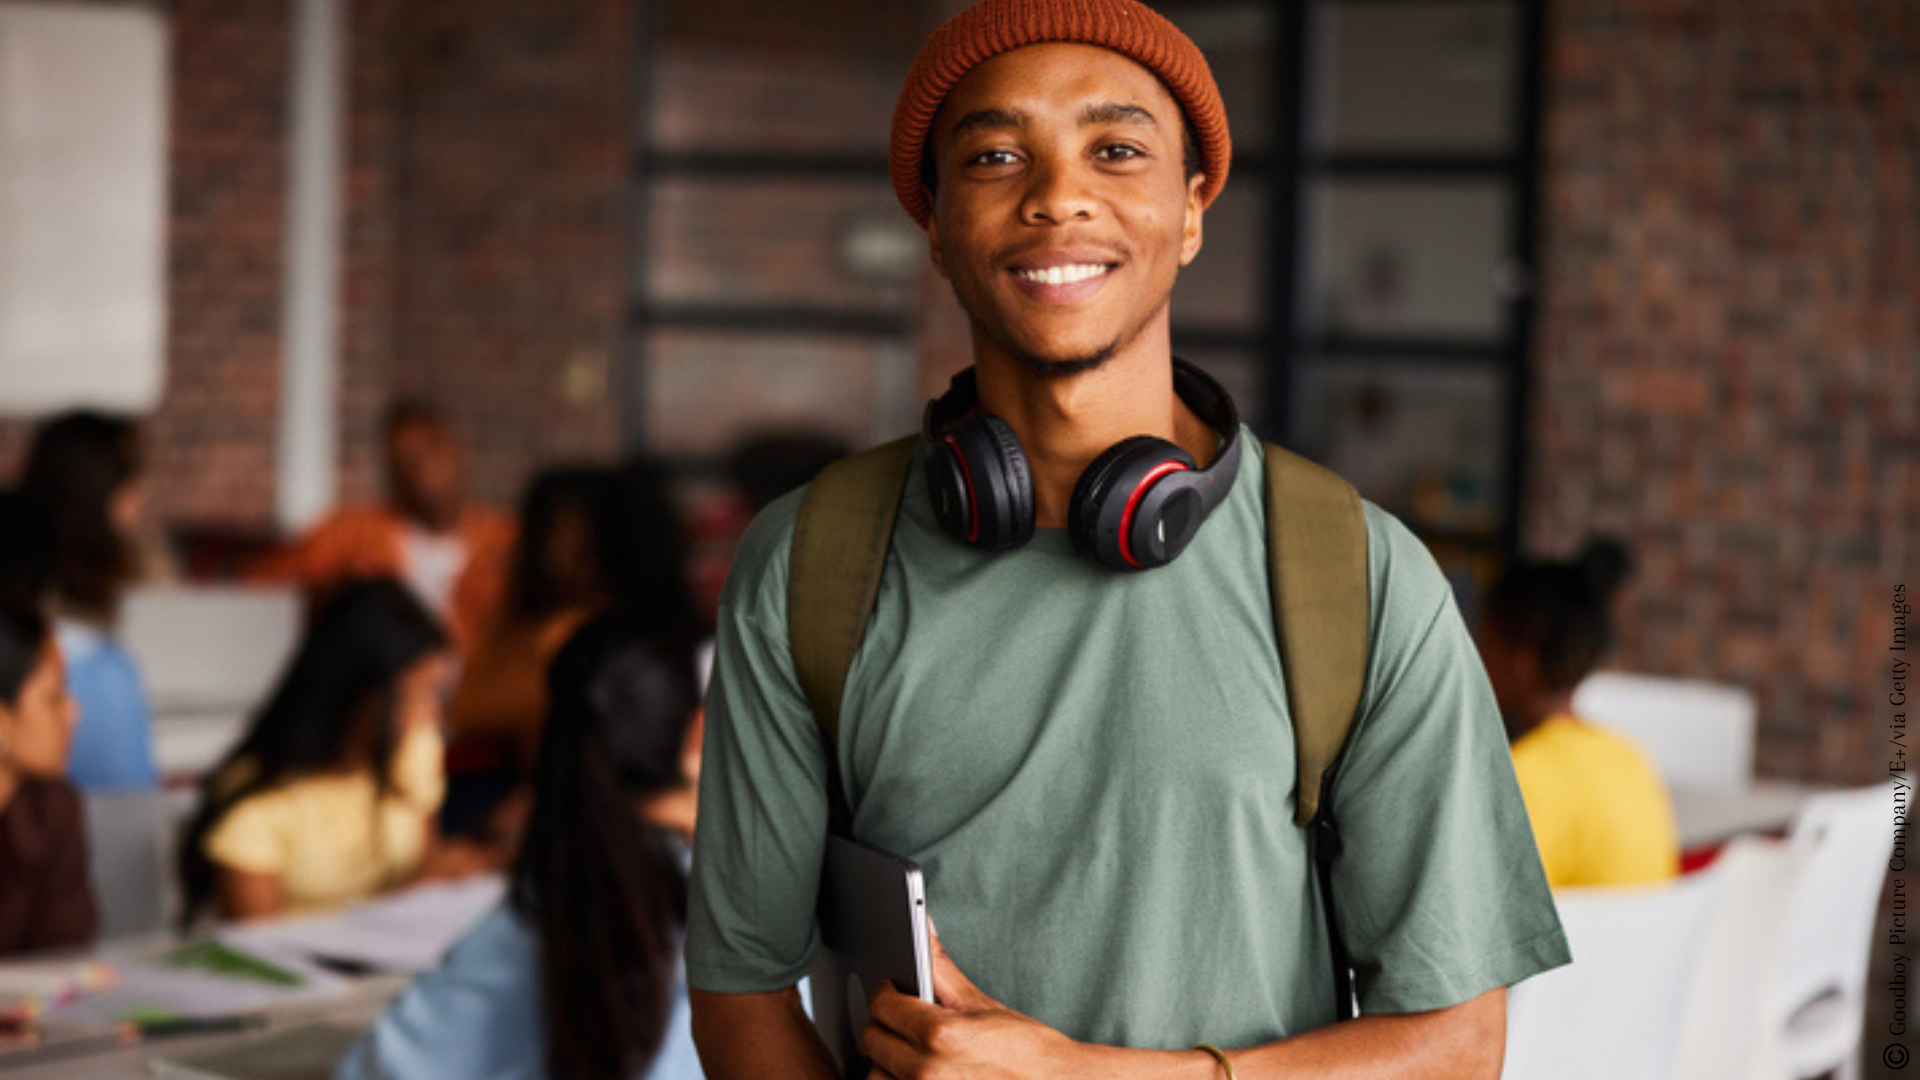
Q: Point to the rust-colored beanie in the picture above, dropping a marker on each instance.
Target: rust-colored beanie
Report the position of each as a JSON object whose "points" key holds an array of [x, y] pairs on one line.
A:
{"points": [[992, 27]]}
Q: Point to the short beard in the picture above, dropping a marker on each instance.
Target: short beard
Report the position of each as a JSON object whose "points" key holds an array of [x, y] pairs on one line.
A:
{"points": [[1060, 369]]}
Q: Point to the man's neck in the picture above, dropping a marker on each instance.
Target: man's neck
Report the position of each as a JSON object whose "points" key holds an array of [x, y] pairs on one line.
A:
{"points": [[1064, 422]]}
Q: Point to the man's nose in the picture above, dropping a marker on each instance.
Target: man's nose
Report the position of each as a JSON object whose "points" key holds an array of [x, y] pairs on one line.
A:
{"points": [[1057, 193]]}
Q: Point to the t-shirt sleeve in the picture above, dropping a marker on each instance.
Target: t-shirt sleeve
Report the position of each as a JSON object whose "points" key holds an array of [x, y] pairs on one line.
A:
{"points": [[763, 807], [249, 837], [1438, 888]]}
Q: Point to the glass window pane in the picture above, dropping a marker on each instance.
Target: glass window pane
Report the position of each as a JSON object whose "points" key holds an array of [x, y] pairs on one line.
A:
{"points": [[749, 76], [1425, 440], [1407, 257], [836, 244], [1238, 41], [1223, 287], [705, 390], [1432, 77]]}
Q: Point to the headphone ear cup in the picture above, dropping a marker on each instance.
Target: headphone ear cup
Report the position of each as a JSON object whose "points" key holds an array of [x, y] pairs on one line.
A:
{"points": [[1110, 487], [995, 485]]}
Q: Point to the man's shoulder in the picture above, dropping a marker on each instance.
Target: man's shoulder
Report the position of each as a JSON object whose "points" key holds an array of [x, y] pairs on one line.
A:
{"points": [[759, 572], [1404, 581]]}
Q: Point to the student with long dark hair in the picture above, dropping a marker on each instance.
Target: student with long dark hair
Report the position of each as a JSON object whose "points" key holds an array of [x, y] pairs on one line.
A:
{"points": [[82, 478], [331, 793], [577, 975], [591, 540], [1600, 813], [46, 900]]}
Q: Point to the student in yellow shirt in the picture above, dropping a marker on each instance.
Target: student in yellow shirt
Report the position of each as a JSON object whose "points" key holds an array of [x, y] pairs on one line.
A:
{"points": [[331, 794], [1601, 815]]}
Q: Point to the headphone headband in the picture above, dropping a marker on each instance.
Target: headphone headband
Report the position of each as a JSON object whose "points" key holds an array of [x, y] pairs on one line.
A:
{"points": [[1136, 506]]}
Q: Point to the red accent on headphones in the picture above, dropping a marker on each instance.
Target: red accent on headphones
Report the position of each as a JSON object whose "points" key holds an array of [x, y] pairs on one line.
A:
{"points": [[973, 500], [1133, 503]]}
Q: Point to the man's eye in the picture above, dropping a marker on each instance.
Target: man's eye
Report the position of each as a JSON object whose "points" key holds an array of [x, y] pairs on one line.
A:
{"points": [[992, 157], [1119, 152]]}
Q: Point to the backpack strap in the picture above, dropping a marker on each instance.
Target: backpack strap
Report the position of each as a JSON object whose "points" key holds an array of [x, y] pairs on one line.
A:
{"points": [[839, 548], [1317, 566], [1317, 569]]}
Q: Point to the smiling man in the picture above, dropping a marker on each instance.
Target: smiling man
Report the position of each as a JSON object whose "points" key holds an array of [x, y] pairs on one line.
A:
{"points": [[1068, 706]]}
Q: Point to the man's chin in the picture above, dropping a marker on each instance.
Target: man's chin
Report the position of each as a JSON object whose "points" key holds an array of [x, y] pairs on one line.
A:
{"points": [[1062, 367]]}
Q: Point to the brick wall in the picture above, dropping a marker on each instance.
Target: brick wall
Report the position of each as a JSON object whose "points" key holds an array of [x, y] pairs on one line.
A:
{"points": [[513, 237], [1728, 360], [484, 193]]}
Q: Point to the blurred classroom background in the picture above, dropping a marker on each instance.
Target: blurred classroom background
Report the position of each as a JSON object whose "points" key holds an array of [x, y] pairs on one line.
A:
{"points": [[1527, 271]]}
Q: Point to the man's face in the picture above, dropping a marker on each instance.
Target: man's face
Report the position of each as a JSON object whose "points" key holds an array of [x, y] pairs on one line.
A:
{"points": [[1062, 213], [425, 467]]}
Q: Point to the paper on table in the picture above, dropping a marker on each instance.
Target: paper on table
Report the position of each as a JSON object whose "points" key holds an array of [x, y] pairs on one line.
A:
{"points": [[35, 986], [151, 986], [406, 932]]}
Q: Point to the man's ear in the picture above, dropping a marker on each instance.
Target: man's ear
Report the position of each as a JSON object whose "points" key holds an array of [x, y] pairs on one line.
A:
{"points": [[1190, 234], [935, 252]]}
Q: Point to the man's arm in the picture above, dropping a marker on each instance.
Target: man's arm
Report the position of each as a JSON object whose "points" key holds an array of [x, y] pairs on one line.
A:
{"points": [[754, 1036], [970, 1034]]}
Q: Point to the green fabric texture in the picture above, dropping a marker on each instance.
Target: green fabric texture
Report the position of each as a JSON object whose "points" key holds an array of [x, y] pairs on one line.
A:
{"points": [[1096, 773]]}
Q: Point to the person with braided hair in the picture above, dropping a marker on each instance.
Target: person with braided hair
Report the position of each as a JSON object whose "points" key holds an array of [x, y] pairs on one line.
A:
{"points": [[1600, 814]]}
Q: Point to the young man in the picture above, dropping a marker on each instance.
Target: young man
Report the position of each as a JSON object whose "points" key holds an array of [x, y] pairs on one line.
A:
{"points": [[1095, 768], [450, 551]]}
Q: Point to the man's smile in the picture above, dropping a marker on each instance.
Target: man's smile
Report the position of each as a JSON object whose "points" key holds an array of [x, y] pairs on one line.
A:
{"points": [[1062, 276]]}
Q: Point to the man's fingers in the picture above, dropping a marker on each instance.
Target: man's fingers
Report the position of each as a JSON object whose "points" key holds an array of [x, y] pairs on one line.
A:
{"points": [[907, 1018], [890, 1054]]}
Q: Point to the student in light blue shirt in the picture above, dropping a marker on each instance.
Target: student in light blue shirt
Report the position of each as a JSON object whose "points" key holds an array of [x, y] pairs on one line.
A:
{"points": [[83, 482], [578, 973]]}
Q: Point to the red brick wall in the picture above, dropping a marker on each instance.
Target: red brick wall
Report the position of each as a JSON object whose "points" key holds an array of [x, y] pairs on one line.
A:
{"points": [[484, 194], [512, 223], [1728, 360]]}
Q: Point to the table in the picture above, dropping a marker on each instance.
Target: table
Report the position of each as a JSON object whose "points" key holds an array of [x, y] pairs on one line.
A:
{"points": [[402, 934], [1709, 816]]}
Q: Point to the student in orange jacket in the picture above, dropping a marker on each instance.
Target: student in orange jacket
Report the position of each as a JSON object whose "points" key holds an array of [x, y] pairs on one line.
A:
{"points": [[450, 551]]}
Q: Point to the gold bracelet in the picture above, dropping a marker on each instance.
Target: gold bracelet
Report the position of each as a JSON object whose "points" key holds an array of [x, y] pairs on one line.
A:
{"points": [[1220, 1056]]}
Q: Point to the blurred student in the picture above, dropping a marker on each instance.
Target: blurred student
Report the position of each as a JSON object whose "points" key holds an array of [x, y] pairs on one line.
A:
{"points": [[46, 900], [449, 550], [591, 540], [578, 973], [330, 795], [83, 479], [1601, 815]]}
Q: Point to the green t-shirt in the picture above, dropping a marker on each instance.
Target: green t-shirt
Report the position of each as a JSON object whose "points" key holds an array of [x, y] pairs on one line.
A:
{"points": [[1095, 772]]}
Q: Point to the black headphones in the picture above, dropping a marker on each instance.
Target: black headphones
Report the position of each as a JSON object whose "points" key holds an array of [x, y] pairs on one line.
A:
{"points": [[1136, 507]]}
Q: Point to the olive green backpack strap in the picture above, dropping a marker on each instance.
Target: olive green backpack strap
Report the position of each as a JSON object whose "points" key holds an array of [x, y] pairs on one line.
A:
{"points": [[839, 547], [1317, 569]]}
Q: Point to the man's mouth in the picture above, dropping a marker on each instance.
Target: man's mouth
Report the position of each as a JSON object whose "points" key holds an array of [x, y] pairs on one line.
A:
{"points": [[1063, 275]]}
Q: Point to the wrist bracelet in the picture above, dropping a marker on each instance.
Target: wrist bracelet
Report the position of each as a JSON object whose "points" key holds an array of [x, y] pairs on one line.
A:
{"points": [[1220, 1056]]}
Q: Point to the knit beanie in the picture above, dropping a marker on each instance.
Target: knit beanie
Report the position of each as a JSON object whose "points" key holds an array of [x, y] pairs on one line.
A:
{"points": [[992, 27]]}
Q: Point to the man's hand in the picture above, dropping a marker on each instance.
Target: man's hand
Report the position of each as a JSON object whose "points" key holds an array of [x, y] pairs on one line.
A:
{"points": [[968, 1034]]}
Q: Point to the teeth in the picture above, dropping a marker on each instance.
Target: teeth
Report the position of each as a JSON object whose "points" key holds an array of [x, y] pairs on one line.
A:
{"points": [[1063, 275]]}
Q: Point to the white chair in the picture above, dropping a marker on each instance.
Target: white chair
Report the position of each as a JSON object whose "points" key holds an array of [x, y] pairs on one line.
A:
{"points": [[1727, 1034], [207, 655], [1845, 839], [1619, 1009], [1699, 734], [131, 841]]}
